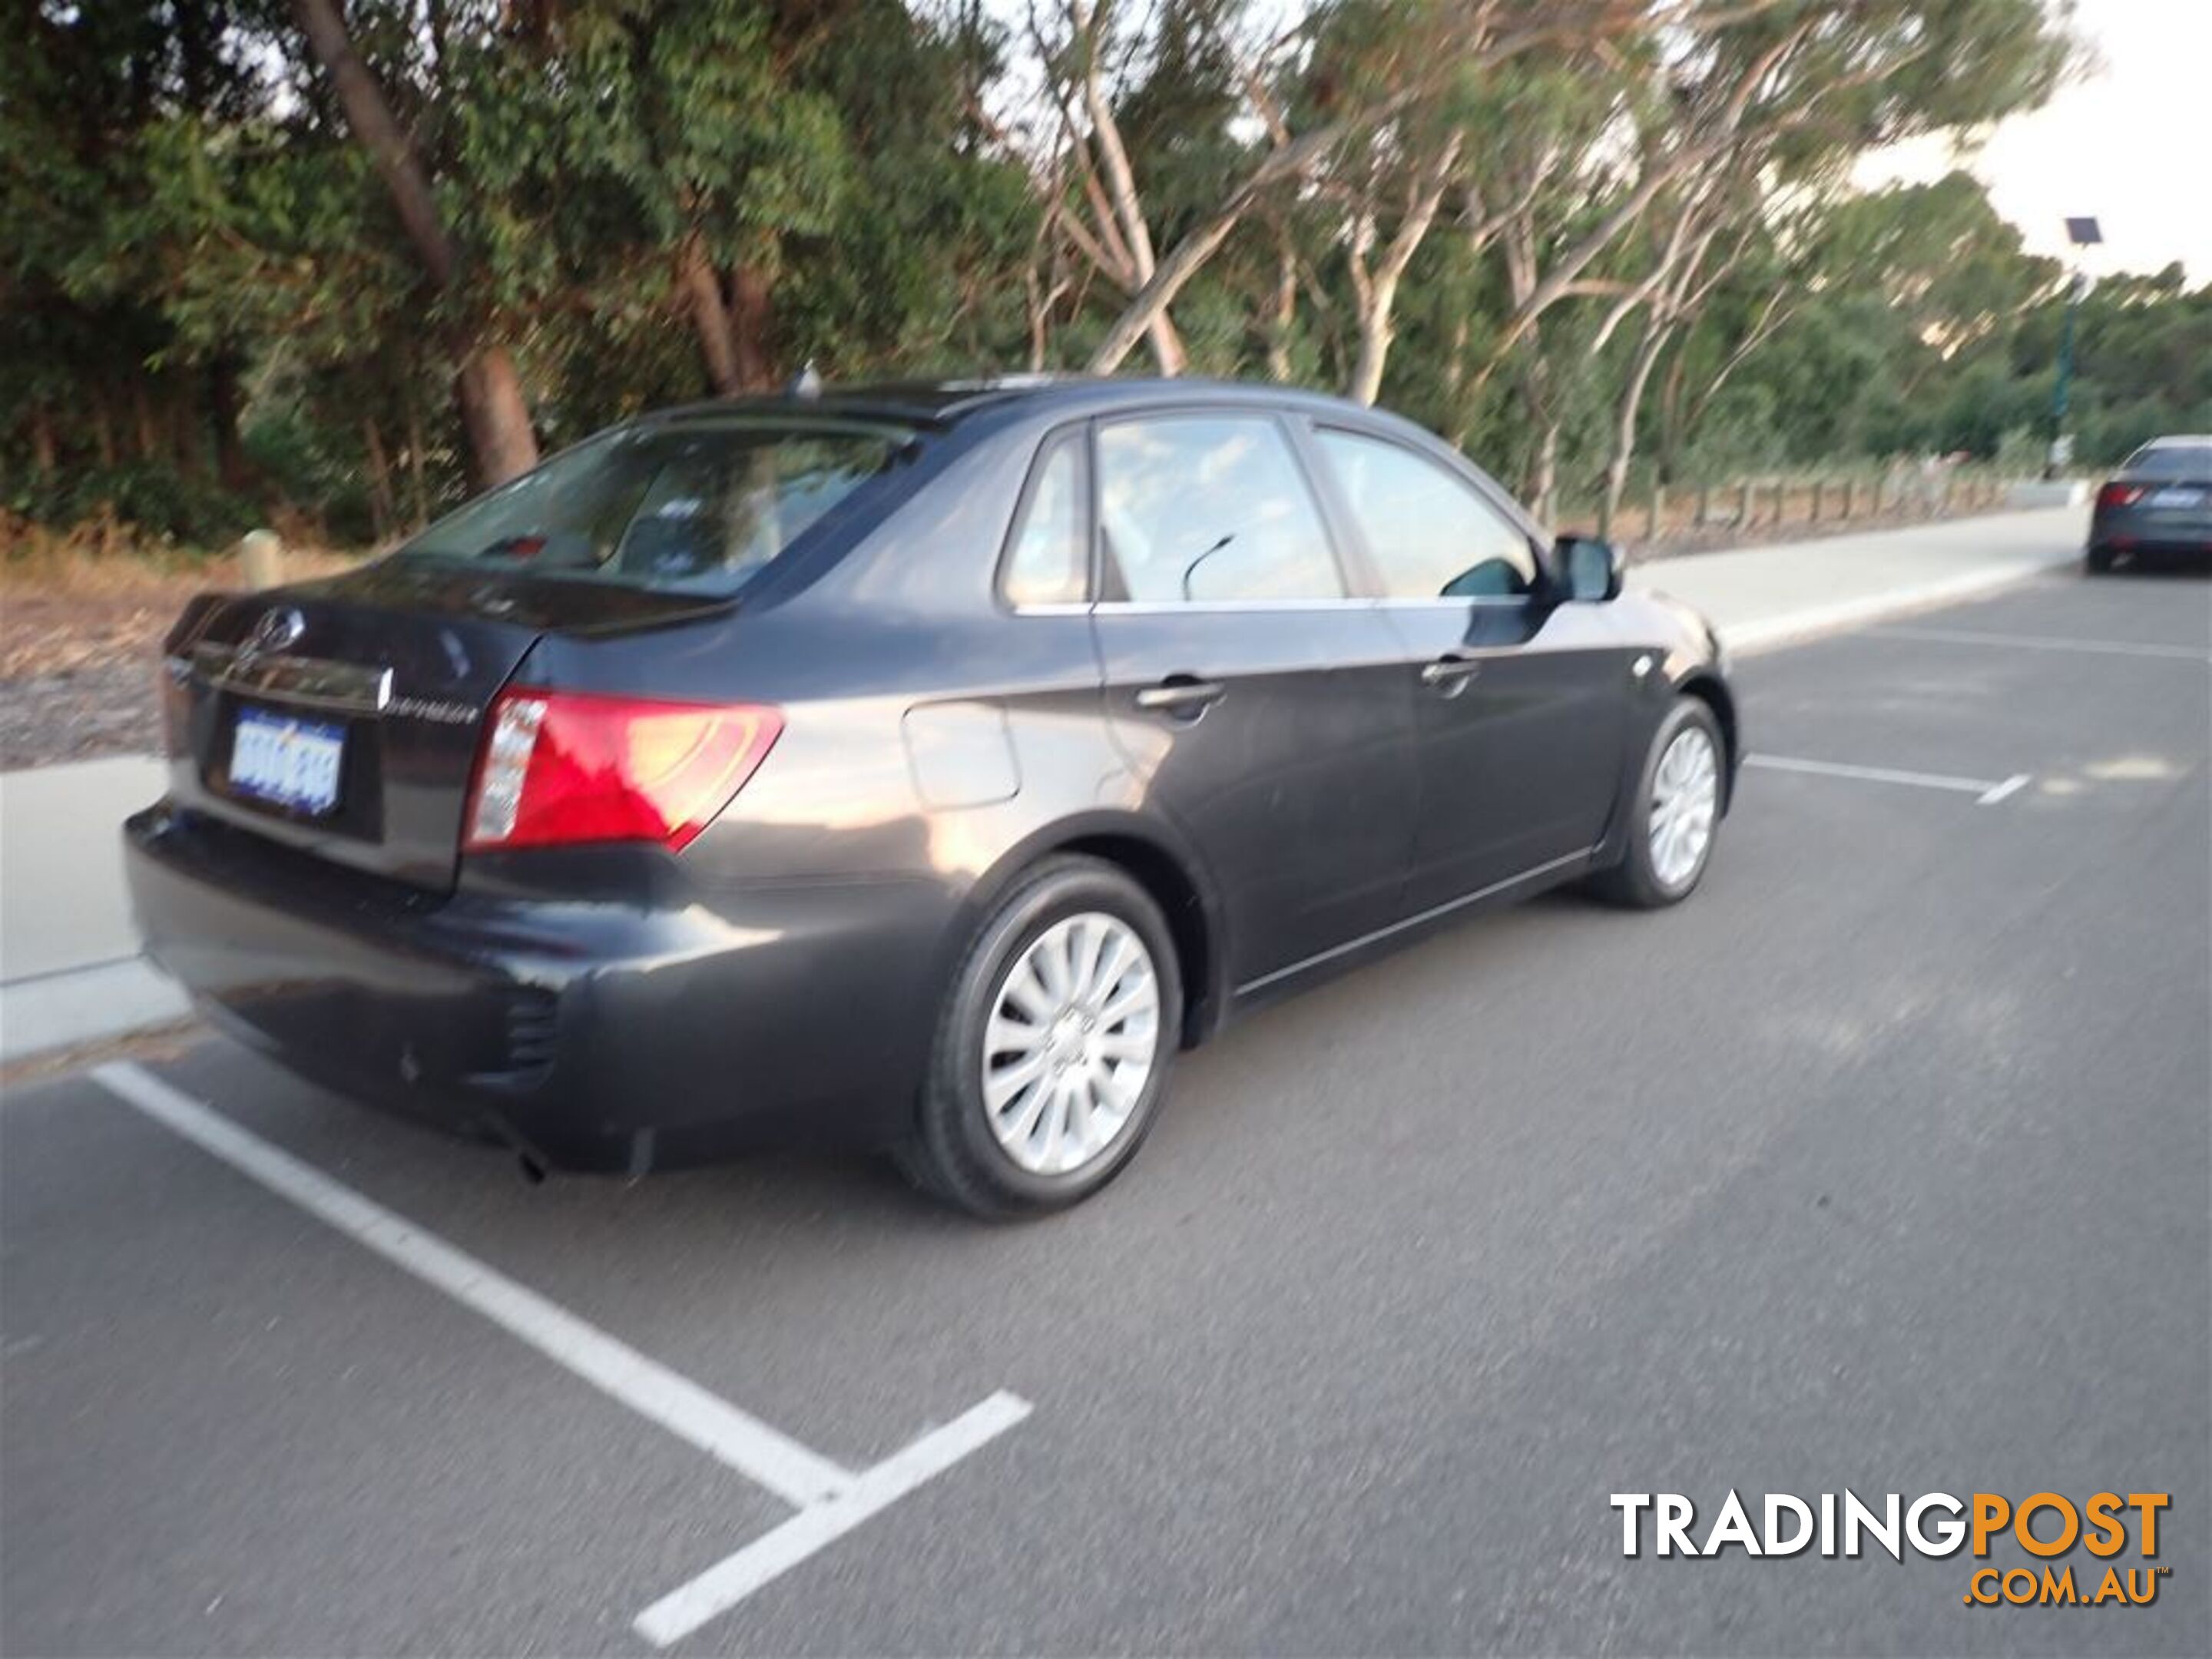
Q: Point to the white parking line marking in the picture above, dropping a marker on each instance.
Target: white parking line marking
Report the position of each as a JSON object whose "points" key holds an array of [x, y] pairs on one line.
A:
{"points": [[731, 1580], [830, 1500], [2043, 642], [1986, 792], [762, 1454]]}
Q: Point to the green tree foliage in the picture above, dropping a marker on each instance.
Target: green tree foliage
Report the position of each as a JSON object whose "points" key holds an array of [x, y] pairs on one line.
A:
{"points": [[1596, 239]]}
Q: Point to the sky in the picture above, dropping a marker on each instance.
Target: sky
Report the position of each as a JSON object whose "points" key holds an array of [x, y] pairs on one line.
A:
{"points": [[2130, 144]]}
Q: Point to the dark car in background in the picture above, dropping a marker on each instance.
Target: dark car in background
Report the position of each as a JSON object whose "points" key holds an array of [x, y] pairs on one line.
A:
{"points": [[2159, 503], [917, 768]]}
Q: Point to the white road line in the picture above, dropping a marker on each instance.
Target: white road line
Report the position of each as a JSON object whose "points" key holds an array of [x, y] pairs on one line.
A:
{"points": [[762, 1454], [1987, 792], [2043, 642], [731, 1580]]}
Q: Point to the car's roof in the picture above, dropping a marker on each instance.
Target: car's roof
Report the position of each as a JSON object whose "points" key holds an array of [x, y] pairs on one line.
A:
{"points": [[2182, 440], [947, 402]]}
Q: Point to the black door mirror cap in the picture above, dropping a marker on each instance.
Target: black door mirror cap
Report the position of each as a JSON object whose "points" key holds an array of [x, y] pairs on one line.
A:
{"points": [[1589, 569]]}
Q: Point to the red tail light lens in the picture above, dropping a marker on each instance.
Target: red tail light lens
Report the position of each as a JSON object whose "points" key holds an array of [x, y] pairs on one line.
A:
{"points": [[2119, 494], [563, 767]]}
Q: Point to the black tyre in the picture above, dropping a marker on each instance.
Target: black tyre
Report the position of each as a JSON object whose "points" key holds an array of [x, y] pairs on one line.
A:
{"points": [[1675, 814], [1053, 1046], [2098, 562]]}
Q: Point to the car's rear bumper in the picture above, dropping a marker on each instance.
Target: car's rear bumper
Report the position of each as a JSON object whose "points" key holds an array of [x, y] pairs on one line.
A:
{"points": [[2127, 531], [607, 1036]]}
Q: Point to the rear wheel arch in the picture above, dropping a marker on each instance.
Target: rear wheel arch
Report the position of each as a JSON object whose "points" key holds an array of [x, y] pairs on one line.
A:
{"points": [[1168, 875]]}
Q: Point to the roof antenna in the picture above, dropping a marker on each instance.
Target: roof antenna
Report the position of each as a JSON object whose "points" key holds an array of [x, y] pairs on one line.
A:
{"points": [[807, 384]]}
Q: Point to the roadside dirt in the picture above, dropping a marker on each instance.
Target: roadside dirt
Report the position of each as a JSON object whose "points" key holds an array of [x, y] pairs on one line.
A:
{"points": [[79, 640], [76, 674]]}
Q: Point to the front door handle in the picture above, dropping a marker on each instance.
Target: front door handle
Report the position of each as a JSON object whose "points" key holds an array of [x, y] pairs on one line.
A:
{"points": [[1450, 673], [1182, 694]]}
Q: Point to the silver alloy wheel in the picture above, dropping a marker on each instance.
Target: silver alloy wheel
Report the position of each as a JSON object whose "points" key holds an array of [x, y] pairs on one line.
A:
{"points": [[1686, 798], [1069, 1045]]}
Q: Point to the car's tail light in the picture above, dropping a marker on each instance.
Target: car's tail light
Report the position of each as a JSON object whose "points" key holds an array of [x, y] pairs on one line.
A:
{"points": [[560, 767], [2119, 494]]}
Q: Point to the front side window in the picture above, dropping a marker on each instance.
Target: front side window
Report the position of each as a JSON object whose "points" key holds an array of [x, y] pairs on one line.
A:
{"points": [[699, 506], [1431, 535], [1209, 509]]}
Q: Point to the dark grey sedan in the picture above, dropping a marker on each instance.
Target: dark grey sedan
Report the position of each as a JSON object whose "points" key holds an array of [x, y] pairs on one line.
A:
{"points": [[915, 769], [2159, 503]]}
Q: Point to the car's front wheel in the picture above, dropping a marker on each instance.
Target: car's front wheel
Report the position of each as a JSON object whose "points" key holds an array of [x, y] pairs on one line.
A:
{"points": [[1053, 1046], [1675, 811]]}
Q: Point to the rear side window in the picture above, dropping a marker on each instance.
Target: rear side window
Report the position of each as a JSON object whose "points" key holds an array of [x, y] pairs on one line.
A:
{"points": [[2192, 461], [1047, 558], [1209, 509], [1430, 534], [696, 507]]}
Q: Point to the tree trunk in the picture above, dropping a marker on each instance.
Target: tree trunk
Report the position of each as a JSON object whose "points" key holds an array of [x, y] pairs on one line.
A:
{"points": [[1544, 472], [1656, 335], [143, 428], [42, 442], [1379, 292], [493, 408], [379, 132], [186, 439], [231, 466], [382, 511], [752, 324], [710, 318], [496, 417], [417, 484], [1149, 303], [1287, 313]]}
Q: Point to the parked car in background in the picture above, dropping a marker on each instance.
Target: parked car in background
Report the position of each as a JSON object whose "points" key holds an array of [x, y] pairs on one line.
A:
{"points": [[917, 768], [2159, 503]]}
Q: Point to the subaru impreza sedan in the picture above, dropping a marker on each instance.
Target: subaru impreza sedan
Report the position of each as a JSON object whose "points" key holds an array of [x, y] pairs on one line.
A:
{"points": [[917, 769]]}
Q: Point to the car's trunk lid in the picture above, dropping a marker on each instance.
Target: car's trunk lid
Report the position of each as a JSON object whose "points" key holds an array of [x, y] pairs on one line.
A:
{"points": [[342, 719]]}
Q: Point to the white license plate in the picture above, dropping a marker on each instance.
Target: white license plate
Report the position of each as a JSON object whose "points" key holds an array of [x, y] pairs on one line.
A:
{"points": [[2185, 500], [291, 762]]}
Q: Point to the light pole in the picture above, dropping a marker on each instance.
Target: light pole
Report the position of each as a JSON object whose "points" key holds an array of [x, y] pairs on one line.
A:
{"points": [[2081, 232]]}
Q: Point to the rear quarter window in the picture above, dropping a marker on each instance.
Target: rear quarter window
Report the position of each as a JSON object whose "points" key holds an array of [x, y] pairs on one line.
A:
{"points": [[689, 507]]}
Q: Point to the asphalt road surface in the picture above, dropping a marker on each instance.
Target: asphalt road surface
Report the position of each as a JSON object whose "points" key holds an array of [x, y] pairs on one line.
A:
{"points": [[1884, 1163]]}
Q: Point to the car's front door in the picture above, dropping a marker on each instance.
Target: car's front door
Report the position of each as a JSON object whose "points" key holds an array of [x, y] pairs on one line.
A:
{"points": [[1259, 703], [1521, 702]]}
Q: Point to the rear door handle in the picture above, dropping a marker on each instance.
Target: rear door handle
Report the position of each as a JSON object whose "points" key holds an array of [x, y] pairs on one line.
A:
{"points": [[1450, 673], [1181, 694]]}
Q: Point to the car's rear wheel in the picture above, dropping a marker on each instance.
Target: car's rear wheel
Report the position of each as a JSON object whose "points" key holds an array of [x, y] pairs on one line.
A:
{"points": [[1675, 813], [1053, 1046], [2098, 560]]}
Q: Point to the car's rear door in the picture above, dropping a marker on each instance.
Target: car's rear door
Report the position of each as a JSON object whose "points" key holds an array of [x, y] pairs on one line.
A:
{"points": [[1256, 699], [1520, 704]]}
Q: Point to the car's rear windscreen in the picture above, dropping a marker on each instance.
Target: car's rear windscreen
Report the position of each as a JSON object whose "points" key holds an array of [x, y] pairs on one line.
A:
{"points": [[695, 506], [2190, 461]]}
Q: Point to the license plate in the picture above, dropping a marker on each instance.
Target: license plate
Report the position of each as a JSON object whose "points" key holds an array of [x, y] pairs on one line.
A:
{"points": [[284, 759], [2185, 500]]}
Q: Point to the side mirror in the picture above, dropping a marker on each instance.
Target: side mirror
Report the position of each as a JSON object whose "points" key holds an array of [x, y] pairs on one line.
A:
{"points": [[1589, 569]]}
